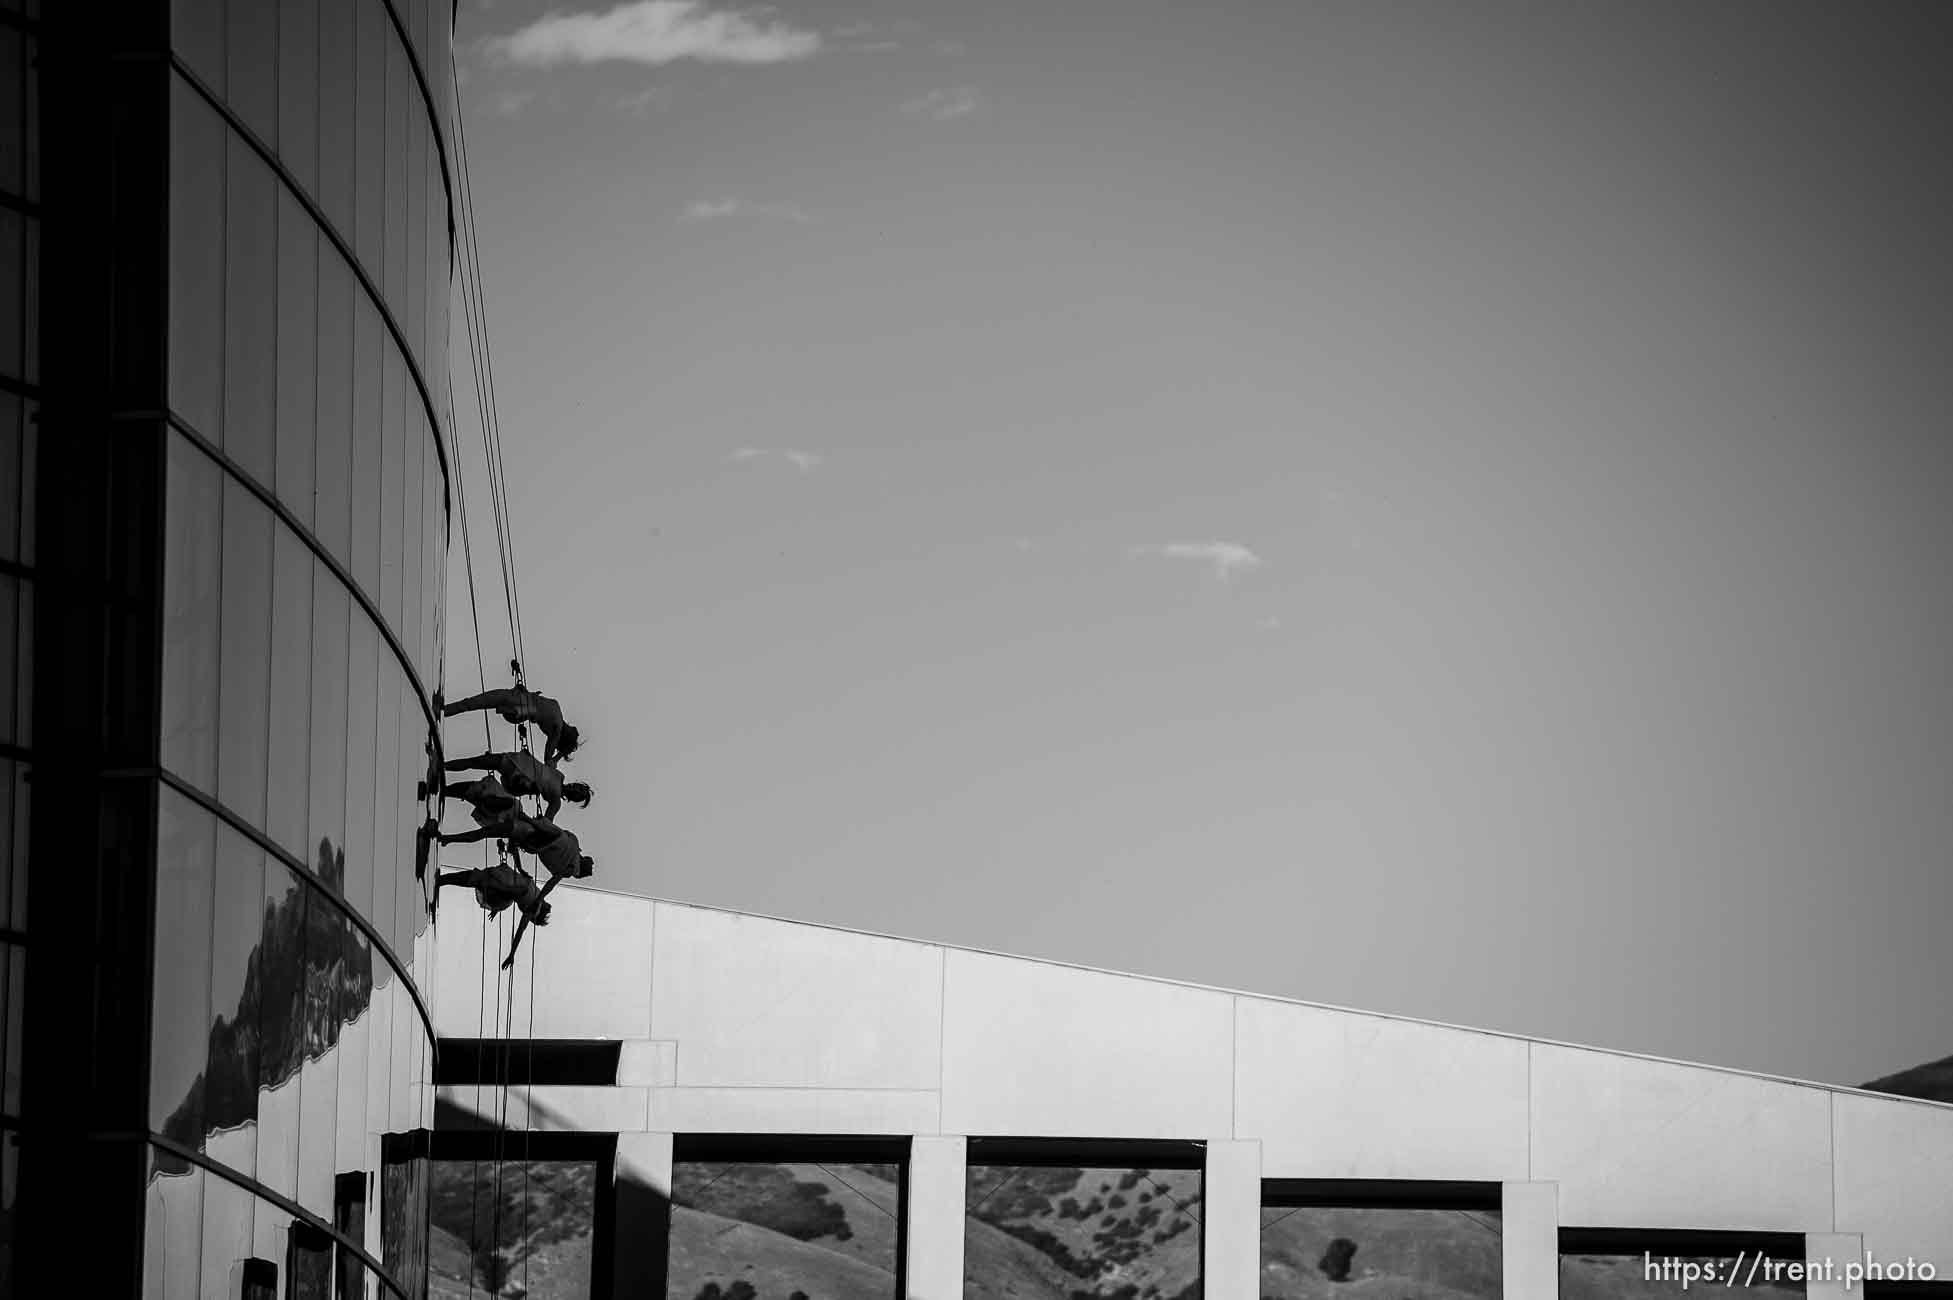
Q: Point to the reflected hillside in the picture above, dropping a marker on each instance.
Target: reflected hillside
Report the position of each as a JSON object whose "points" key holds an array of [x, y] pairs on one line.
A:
{"points": [[1082, 1234], [1380, 1254], [309, 975]]}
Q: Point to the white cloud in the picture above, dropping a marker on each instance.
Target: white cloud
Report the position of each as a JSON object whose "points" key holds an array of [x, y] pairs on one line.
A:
{"points": [[945, 104], [1227, 560], [508, 103], [656, 32], [720, 209], [804, 461]]}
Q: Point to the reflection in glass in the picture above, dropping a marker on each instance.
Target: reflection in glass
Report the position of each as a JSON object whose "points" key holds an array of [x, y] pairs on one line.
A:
{"points": [[526, 1233], [192, 555], [233, 1060], [244, 653], [196, 233], [1658, 1276], [308, 1263], [226, 1236], [1133, 1234], [1309, 1253], [749, 1230], [281, 1001], [403, 1214], [361, 721], [186, 851], [297, 381], [250, 309], [172, 1248]]}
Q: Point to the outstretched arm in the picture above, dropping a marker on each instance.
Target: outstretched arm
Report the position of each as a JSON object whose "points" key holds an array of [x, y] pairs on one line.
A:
{"points": [[523, 924], [493, 831], [555, 806]]}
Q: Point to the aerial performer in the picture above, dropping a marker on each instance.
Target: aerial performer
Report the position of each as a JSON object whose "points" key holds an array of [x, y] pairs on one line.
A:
{"points": [[519, 705], [497, 888], [556, 848], [520, 775]]}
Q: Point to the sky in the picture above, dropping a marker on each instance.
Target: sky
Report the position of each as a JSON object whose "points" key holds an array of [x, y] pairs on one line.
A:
{"points": [[1432, 508]]}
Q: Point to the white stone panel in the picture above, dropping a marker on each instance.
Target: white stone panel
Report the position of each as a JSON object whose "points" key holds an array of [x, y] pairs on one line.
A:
{"points": [[1231, 1221], [938, 1171], [1836, 1250], [1635, 1143], [592, 968], [769, 1004], [1033, 1050], [793, 1110], [1529, 1234], [1335, 1094], [648, 1062], [1895, 1178]]}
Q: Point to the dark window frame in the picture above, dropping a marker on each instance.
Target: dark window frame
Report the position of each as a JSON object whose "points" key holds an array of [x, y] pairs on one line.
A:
{"points": [[579, 1062], [1380, 1194]]}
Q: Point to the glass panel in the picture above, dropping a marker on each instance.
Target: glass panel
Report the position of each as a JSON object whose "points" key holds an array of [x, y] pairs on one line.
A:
{"points": [[403, 1217], [298, 356], [308, 1263], [196, 282], [250, 310], [331, 633], [9, 640], [298, 90], [1307, 1252], [318, 1141], [372, 34], [253, 66], [172, 1247], [479, 1238], [414, 318], [361, 719], [828, 1230], [8, 862], [413, 537], [1083, 1233], [369, 414], [197, 34], [13, 110], [281, 1026], [192, 563], [349, 1218], [356, 1131], [226, 1236], [335, 405], [236, 991], [337, 92], [288, 763], [393, 462], [403, 106], [383, 776], [245, 658], [12, 431], [1653, 1276], [186, 852]]}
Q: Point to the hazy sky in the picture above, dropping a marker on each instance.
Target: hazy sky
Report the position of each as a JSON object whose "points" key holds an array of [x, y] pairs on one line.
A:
{"points": [[1440, 508]]}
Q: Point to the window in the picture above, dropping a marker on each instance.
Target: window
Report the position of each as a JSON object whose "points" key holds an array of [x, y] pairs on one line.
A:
{"points": [[298, 358], [308, 1263], [252, 66], [372, 35], [527, 1211], [1614, 1264], [192, 561], [288, 760], [349, 1218], [244, 653], [370, 349], [331, 641], [1404, 1238], [403, 1210], [250, 310], [334, 396], [196, 281], [186, 853], [393, 466], [361, 721], [769, 1218], [337, 95], [281, 1027], [231, 1064], [298, 90], [197, 33], [1082, 1220], [172, 1228]]}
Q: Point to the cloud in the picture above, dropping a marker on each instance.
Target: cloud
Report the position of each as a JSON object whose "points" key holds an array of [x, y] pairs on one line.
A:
{"points": [[1228, 560], [720, 209], [945, 104], [804, 461], [656, 32], [508, 103]]}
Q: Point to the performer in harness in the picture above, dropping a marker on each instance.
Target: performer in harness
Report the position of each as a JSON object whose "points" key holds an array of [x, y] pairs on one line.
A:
{"points": [[556, 848], [519, 705], [524, 775]]}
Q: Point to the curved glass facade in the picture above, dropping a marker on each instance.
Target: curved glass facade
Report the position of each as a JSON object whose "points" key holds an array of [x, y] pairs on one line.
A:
{"points": [[304, 524]]}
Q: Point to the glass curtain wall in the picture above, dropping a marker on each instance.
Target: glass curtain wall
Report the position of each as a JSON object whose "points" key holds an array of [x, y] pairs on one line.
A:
{"points": [[303, 576]]}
